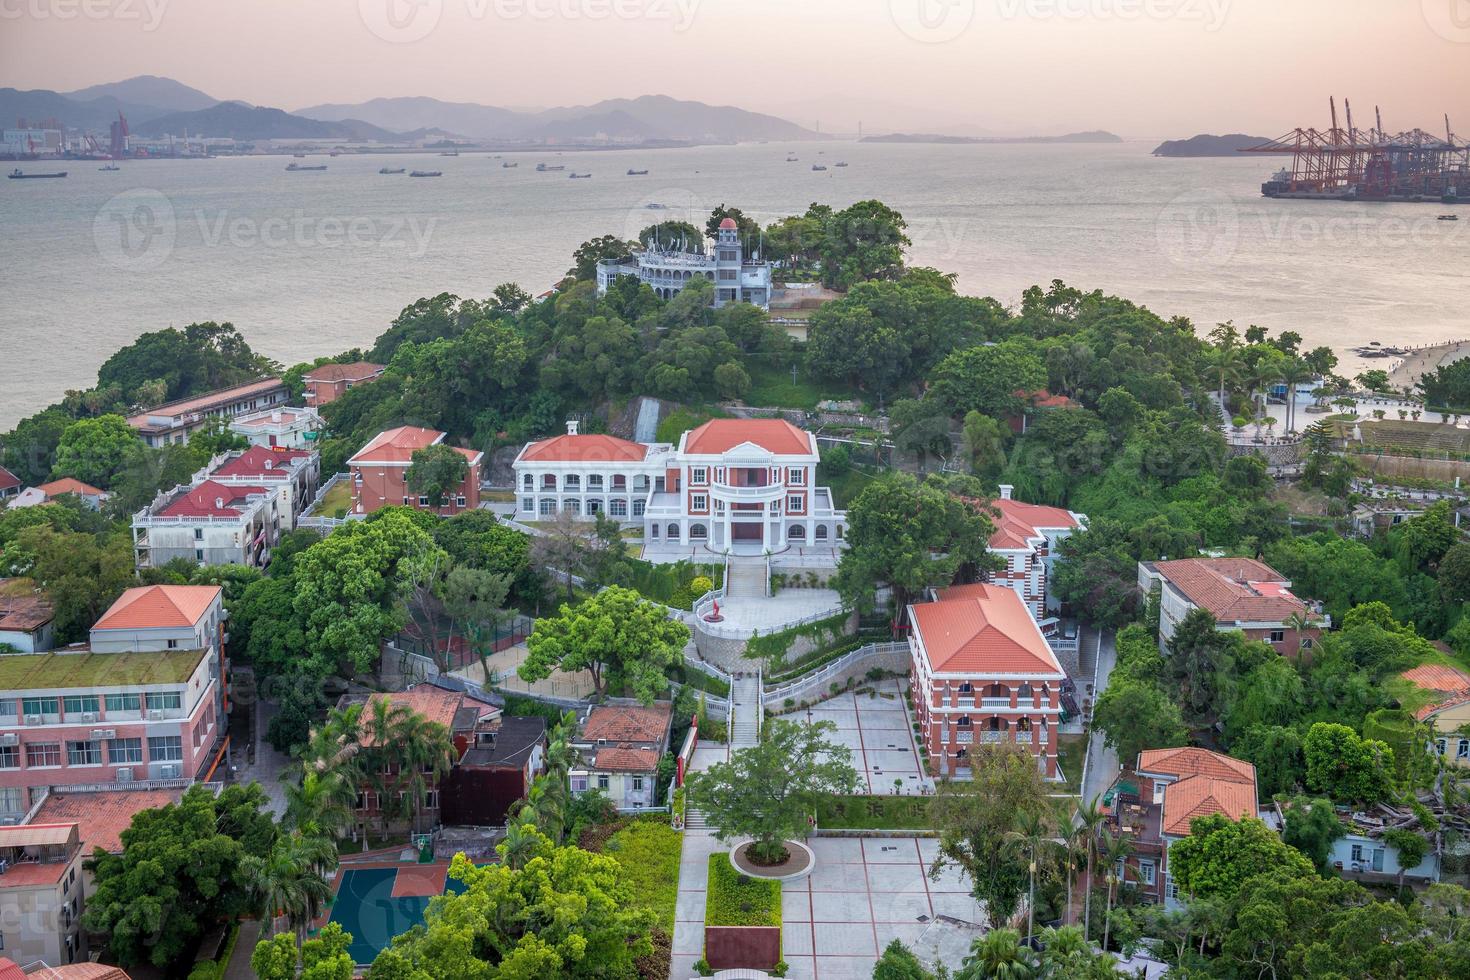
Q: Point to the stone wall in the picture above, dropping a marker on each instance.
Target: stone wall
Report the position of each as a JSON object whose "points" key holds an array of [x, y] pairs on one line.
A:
{"points": [[892, 658], [1276, 453]]}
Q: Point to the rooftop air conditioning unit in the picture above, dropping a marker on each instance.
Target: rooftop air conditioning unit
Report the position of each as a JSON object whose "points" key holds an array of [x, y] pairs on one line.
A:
{"points": [[88, 717], [155, 714], [103, 734], [125, 775], [9, 738]]}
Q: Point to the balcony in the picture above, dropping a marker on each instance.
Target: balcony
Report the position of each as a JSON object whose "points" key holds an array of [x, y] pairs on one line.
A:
{"points": [[767, 493]]}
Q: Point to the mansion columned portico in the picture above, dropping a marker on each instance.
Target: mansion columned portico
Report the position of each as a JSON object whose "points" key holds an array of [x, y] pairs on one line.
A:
{"points": [[742, 485]]}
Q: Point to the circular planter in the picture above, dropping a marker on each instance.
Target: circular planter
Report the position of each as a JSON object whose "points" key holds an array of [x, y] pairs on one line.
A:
{"points": [[799, 863]]}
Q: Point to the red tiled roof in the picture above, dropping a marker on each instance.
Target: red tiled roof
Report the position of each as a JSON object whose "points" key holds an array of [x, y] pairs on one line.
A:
{"points": [[1017, 522], [1207, 782], [1437, 677], [23, 608], [728, 223], [398, 446], [1041, 398], [1191, 761], [628, 723], [28, 875], [8, 480], [211, 499], [260, 461], [434, 703], [1451, 701], [1234, 590], [773, 435], [204, 402], [625, 759], [983, 629], [585, 449], [9, 971], [356, 371], [68, 485], [159, 606], [80, 971], [102, 817]]}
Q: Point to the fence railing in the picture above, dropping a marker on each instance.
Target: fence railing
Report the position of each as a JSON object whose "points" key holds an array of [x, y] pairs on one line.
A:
{"points": [[826, 673]]}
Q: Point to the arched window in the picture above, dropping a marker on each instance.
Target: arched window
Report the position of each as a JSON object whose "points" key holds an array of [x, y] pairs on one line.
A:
{"points": [[673, 532], [820, 534], [997, 691], [572, 505], [796, 533], [964, 721], [698, 531]]}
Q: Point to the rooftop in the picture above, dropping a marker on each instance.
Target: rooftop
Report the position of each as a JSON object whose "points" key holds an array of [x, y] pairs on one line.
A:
{"points": [[434, 703], [101, 817], [204, 402], [1206, 782], [80, 971], [273, 416], [585, 449], [514, 740], [628, 723], [8, 480], [261, 461], [1234, 590], [1018, 523], [776, 436], [82, 669], [982, 628], [356, 371], [23, 607], [211, 499], [68, 485], [624, 758], [398, 446], [159, 607]]}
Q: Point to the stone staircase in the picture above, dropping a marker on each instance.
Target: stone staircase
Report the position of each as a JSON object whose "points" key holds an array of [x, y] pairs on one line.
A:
{"points": [[746, 579], [745, 700]]}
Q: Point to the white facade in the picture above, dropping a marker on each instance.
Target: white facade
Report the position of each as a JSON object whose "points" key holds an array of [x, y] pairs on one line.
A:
{"points": [[289, 428], [735, 279], [744, 485], [240, 529]]}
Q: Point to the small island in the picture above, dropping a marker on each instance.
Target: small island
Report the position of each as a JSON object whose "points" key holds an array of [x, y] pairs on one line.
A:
{"points": [[1208, 145], [1091, 136]]}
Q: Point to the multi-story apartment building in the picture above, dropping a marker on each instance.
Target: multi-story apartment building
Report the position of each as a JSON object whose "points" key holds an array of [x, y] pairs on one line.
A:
{"points": [[737, 484], [41, 894], [1026, 536], [1155, 802], [143, 700], [210, 523], [379, 473], [293, 474], [176, 421], [667, 270], [285, 428], [331, 381], [983, 672], [620, 747], [1241, 593]]}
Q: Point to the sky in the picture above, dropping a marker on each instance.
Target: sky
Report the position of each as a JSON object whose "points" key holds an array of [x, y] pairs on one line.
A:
{"points": [[1140, 68]]}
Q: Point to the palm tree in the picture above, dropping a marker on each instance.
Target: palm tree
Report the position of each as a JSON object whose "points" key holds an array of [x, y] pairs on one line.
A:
{"points": [[1298, 622], [1293, 371], [1089, 818], [1228, 366], [998, 955], [522, 840], [1074, 847], [320, 805], [426, 754], [1031, 834], [1115, 850], [1265, 373], [544, 810], [288, 880]]}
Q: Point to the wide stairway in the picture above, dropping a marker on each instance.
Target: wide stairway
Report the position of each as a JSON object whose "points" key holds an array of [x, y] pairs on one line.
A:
{"points": [[746, 579], [744, 732]]}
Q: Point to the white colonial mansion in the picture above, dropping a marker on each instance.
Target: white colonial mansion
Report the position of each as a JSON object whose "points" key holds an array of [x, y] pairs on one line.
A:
{"points": [[743, 485], [736, 279]]}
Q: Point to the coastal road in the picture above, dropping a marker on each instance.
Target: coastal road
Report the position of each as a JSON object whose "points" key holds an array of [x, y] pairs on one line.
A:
{"points": [[1102, 761]]}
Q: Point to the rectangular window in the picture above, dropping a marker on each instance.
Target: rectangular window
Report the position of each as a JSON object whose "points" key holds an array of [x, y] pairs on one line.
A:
{"points": [[79, 703], [84, 753], [637, 784], [548, 506], [198, 554], [698, 475], [165, 748], [459, 500], [528, 504], [7, 708], [423, 500], [602, 782], [793, 503], [618, 507], [122, 702], [43, 754], [164, 700], [431, 799], [173, 644], [39, 706], [1171, 891], [699, 503], [796, 476], [10, 801], [199, 534], [125, 751], [594, 482], [1146, 872], [1278, 636], [637, 508], [9, 756], [579, 784], [528, 482], [1463, 751]]}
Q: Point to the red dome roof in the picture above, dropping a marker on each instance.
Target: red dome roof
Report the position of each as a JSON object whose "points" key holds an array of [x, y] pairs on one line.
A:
{"points": [[728, 223]]}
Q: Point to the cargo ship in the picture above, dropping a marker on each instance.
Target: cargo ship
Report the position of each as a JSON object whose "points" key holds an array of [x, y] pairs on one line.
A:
{"points": [[18, 174], [544, 169], [427, 173], [294, 167]]}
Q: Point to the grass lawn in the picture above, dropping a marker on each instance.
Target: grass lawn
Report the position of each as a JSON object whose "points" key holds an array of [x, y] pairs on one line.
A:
{"points": [[679, 421], [1070, 751], [847, 486], [735, 900], [498, 496], [648, 850], [339, 498], [771, 387], [875, 813]]}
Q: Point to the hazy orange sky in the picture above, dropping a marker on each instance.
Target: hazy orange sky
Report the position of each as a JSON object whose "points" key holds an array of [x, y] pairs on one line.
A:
{"points": [[1142, 68]]}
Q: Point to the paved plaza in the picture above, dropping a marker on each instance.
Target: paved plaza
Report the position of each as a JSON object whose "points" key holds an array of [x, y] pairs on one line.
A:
{"points": [[880, 733]]}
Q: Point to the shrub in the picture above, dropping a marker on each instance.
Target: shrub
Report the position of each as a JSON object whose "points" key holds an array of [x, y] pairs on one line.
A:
{"points": [[734, 899], [702, 967], [700, 585]]}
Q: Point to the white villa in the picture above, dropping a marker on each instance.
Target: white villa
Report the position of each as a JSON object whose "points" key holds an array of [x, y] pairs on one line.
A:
{"points": [[736, 279], [746, 485]]}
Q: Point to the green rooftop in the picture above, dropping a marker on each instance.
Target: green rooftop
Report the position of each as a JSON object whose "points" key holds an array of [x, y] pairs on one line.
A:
{"points": [[90, 671]]}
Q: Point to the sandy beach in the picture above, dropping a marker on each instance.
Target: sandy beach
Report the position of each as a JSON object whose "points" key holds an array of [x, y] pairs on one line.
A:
{"points": [[1424, 360]]}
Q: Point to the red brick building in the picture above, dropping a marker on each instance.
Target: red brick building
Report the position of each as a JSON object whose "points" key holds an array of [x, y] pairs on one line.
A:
{"points": [[331, 381], [1241, 593], [379, 473], [983, 673]]}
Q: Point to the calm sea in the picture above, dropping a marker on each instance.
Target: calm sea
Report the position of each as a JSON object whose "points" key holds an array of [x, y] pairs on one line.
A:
{"points": [[315, 262]]}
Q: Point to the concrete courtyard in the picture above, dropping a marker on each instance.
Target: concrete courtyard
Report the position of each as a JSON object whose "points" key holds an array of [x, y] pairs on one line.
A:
{"points": [[880, 734]]}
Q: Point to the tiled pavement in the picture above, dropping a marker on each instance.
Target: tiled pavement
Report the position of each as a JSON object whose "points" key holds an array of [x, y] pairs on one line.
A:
{"points": [[880, 734]]}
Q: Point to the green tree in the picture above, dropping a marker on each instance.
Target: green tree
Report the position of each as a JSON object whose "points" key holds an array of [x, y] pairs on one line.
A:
{"points": [[29, 450], [998, 955], [769, 790], [1137, 715], [181, 870], [984, 444], [987, 379], [1454, 574], [673, 236], [898, 962], [1221, 854], [1345, 766], [1411, 848], [862, 242], [1311, 826], [82, 574], [287, 881], [616, 630], [608, 248], [94, 450], [436, 472], [325, 956], [1201, 658], [201, 357]]}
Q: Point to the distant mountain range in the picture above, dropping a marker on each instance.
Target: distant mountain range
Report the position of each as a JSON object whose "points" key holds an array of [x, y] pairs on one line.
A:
{"points": [[1208, 145], [1091, 136], [158, 106]]}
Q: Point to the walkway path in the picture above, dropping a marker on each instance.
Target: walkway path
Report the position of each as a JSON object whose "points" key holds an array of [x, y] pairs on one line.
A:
{"points": [[1102, 761], [238, 967]]}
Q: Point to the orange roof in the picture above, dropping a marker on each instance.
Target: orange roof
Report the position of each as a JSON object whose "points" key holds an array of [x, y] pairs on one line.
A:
{"points": [[776, 436], [80, 971], [1234, 590], [158, 606], [982, 629], [102, 817], [1200, 796], [68, 485], [356, 371], [1437, 677], [23, 607], [29, 874], [625, 759], [434, 703], [1190, 761], [8, 480], [585, 449], [9, 971], [205, 402], [398, 446], [628, 723], [1017, 522]]}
